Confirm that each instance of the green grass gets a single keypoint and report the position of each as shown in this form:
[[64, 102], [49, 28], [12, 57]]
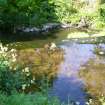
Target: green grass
[[27, 99]]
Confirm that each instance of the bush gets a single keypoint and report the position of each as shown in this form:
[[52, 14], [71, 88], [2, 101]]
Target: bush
[[25, 12], [15, 77], [102, 12], [33, 13], [64, 10], [11, 77]]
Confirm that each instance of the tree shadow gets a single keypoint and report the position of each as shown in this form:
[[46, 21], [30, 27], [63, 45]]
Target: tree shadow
[[23, 37]]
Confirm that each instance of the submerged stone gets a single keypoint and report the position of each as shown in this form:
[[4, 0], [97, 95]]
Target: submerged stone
[[101, 53]]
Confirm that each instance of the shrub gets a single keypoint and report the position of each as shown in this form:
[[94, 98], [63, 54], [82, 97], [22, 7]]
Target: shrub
[[102, 12], [33, 13], [15, 77], [64, 10]]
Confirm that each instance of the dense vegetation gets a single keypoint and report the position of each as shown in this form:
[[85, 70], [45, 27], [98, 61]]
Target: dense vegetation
[[16, 78], [25, 84], [28, 12], [19, 13]]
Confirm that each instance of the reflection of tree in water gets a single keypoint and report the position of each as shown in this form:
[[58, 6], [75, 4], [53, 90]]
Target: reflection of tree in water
[[93, 74], [43, 64]]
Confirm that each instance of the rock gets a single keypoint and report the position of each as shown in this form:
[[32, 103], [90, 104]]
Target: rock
[[82, 23], [65, 40], [92, 40], [27, 29], [76, 39], [33, 29], [45, 28], [50, 26], [53, 46], [66, 25], [101, 53], [83, 41]]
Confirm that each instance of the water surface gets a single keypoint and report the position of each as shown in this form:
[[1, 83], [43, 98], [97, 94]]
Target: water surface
[[68, 84], [79, 76]]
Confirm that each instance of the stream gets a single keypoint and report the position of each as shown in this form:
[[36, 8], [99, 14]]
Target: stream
[[69, 85], [72, 83]]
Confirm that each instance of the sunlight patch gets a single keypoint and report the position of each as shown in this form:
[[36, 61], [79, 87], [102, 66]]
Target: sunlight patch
[[77, 35]]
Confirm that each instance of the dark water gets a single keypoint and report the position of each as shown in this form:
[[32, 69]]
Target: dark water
[[24, 41]]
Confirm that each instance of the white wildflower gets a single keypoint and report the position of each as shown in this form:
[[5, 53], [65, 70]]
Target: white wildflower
[[32, 81], [90, 101], [6, 62], [24, 86], [33, 78], [14, 57], [87, 103], [14, 60], [28, 85], [4, 54], [14, 68], [13, 50], [10, 67], [27, 74], [5, 49], [1, 52], [26, 69], [23, 70]]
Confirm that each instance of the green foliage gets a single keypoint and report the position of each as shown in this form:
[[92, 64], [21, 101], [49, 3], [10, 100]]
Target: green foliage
[[20, 80], [102, 12], [34, 12], [18, 13], [64, 9], [25, 12], [14, 82], [23, 99], [102, 1], [10, 79]]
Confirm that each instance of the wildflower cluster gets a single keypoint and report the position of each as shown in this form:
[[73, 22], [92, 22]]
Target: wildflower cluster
[[12, 75], [7, 57]]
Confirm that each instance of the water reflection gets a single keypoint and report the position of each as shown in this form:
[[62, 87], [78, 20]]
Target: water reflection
[[94, 76], [81, 72], [43, 65], [68, 84]]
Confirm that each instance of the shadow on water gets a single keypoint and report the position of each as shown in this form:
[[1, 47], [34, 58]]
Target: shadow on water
[[24, 41], [29, 40], [21, 37]]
